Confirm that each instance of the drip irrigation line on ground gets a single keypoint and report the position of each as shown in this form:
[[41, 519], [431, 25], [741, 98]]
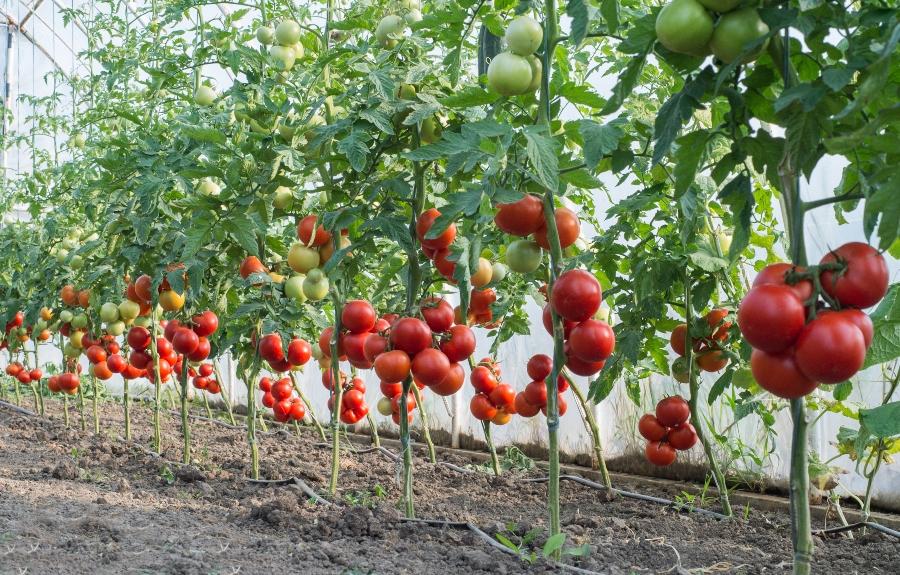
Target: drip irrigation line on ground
[[16, 408], [860, 525], [304, 487]]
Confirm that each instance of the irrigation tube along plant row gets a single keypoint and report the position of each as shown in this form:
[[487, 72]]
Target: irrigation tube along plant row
[[325, 206]]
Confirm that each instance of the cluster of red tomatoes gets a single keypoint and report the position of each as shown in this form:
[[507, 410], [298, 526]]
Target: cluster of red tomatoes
[[494, 401], [353, 397], [708, 348], [23, 374], [203, 378], [271, 349], [667, 431], [533, 398], [526, 217], [279, 397], [18, 332], [589, 341], [177, 342], [799, 342], [438, 251]]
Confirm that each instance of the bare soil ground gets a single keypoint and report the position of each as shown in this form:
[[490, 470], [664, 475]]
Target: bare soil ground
[[73, 502]]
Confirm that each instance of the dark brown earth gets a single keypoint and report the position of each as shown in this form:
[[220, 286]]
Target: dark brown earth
[[74, 502]]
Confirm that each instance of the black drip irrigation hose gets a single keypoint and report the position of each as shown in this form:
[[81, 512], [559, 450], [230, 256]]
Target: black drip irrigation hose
[[861, 525], [17, 409], [304, 487]]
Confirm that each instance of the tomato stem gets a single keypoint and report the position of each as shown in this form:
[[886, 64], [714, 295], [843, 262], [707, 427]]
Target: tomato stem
[[423, 417], [95, 391], [157, 404], [337, 387], [373, 429], [696, 421], [591, 423], [81, 406], [309, 407], [224, 395], [185, 411]]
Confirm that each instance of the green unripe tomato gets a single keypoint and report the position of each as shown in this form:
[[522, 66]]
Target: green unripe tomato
[[412, 17], [524, 35], [524, 256], [76, 263], [70, 351], [293, 288], [80, 321], [109, 312], [724, 241], [410, 5], [680, 371], [430, 132], [283, 57], [684, 26], [384, 406], [302, 259], [66, 316], [265, 35], [721, 6], [116, 328], [287, 33], [79, 141], [128, 310], [315, 286], [287, 132], [61, 256], [509, 74], [406, 92], [204, 96], [537, 71], [207, 187], [498, 272], [736, 30], [40, 325], [142, 321], [388, 29], [284, 199]]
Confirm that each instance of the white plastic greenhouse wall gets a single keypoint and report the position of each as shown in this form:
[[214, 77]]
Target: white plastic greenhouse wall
[[34, 41]]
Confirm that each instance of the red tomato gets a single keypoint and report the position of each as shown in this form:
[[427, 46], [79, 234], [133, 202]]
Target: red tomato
[[481, 300], [483, 379], [358, 316], [460, 345], [438, 313], [282, 409], [576, 295], [715, 319], [164, 346], [561, 406], [580, 367], [298, 410], [299, 351], [424, 223], [592, 340], [547, 318], [521, 218], [282, 389], [206, 369], [395, 415], [503, 397], [201, 382], [678, 340], [138, 338], [651, 429], [539, 367], [567, 225], [771, 317], [375, 345], [392, 366], [661, 454], [862, 321], [535, 393], [391, 390], [863, 283], [353, 399], [430, 366], [95, 354], [265, 385], [452, 383], [354, 345], [23, 376], [36, 374], [410, 402], [524, 408], [683, 437], [140, 359], [672, 411], [444, 266], [779, 374], [270, 346], [305, 229], [202, 351], [410, 335], [116, 363], [205, 324], [712, 360], [170, 328], [482, 408], [774, 274], [831, 349]]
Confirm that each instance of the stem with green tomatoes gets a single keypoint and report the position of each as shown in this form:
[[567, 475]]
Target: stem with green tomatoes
[[714, 469]]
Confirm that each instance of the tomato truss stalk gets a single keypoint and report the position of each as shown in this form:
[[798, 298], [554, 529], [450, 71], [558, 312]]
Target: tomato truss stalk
[[222, 392], [37, 365], [714, 469], [556, 256], [95, 392], [32, 384], [81, 406], [309, 408], [591, 423], [423, 417]]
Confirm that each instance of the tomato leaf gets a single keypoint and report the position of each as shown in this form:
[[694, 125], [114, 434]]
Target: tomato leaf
[[578, 12], [599, 139], [469, 97], [609, 9], [581, 94], [627, 81], [885, 343], [676, 111], [882, 421], [243, 231], [541, 150], [842, 391], [553, 544], [719, 387], [738, 194], [690, 150]]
